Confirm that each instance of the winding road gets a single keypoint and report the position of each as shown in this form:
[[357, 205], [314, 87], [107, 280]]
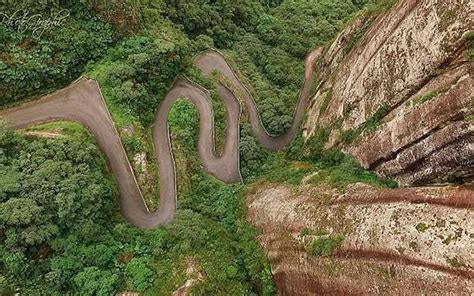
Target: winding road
[[82, 102]]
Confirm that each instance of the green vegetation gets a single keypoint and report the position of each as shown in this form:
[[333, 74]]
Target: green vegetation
[[271, 57], [305, 232], [314, 148], [54, 201], [60, 228], [320, 232], [329, 166], [253, 157], [470, 50], [30, 64], [372, 8], [71, 129], [210, 84], [152, 43], [455, 262], [374, 121], [222, 209], [332, 166], [321, 242], [356, 37], [425, 98], [348, 171], [325, 103], [324, 245], [422, 227], [350, 135], [136, 74]]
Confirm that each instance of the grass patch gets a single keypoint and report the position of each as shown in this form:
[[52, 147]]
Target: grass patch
[[351, 135], [372, 9], [67, 128], [421, 227], [281, 170], [357, 36], [325, 245], [320, 232], [332, 167], [348, 171], [470, 50], [425, 98], [305, 232], [325, 104], [314, 147], [455, 262]]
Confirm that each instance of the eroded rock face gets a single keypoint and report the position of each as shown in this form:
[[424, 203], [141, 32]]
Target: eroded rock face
[[414, 241], [401, 101]]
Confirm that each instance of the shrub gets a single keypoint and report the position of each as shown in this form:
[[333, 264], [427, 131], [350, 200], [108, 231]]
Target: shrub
[[325, 245], [140, 274], [31, 65], [421, 227], [325, 104], [304, 232]]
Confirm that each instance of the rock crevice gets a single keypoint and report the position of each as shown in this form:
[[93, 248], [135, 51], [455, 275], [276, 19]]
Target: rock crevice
[[411, 68]]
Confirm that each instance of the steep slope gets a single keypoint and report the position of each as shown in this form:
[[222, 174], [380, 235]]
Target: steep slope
[[394, 242], [399, 98], [396, 92], [82, 101]]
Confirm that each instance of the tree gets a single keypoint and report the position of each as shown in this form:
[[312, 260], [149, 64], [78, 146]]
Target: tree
[[141, 276], [93, 281]]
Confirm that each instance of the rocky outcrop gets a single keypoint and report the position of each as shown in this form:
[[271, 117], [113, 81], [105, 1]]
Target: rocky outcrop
[[193, 275], [414, 241], [400, 99], [396, 92]]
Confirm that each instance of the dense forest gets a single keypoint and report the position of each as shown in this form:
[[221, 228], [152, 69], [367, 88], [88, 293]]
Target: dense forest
[[60, 228]]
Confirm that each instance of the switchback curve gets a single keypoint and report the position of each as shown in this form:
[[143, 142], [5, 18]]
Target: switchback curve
[[82, 102]]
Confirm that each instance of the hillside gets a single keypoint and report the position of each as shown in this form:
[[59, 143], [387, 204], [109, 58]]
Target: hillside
[[246, 148], [399, 98], [400, 101]]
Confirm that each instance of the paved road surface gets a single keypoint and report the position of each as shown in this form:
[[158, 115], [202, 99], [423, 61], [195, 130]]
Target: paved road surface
[[82, 101]]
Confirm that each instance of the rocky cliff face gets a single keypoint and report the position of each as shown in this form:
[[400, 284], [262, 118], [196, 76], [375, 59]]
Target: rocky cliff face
[[397, 92], [415, 241]]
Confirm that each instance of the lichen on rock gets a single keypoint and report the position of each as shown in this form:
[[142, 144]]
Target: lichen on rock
[[413, 63]]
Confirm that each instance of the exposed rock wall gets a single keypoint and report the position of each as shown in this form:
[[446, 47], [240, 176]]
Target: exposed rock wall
[[415, 241], [401, 100]]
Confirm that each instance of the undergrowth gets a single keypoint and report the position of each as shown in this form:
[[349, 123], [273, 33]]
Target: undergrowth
[[324, 245]]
